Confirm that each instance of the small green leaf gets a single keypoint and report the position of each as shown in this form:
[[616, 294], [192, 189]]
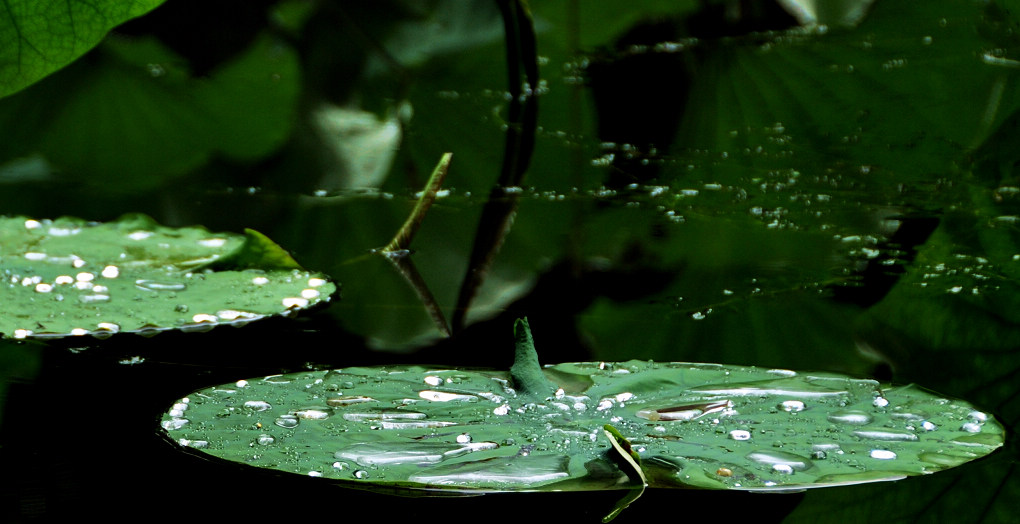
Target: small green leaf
[[68, 277], [38, 37]]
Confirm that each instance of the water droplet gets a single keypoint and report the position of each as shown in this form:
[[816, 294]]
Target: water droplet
[[971, 427], [522, 470], [286, 421], [110, 272], [312, 413], [258, 405], [443, 396], [295, 302], [265, 439], [854, 417], [260, 281], [792, 406], [348, 400], [463, 438], [381, 453], [882, 454], [154, 285], [886, 434], [740, 434], [880, 402], [361, 474], [775, 457]]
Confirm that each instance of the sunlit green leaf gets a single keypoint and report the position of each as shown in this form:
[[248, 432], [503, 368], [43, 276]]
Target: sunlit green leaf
[[68, 277]]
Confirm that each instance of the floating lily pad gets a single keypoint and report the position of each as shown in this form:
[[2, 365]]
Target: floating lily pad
[[690, 425], [68, 277]]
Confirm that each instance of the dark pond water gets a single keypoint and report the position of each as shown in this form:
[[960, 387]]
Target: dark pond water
[[721, 182]]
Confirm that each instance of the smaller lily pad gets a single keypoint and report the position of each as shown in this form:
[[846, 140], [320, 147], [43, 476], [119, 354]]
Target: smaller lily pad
[[70, 277]]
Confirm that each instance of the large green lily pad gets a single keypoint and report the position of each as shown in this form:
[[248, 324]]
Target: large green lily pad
[[68, 277], [692, 426]]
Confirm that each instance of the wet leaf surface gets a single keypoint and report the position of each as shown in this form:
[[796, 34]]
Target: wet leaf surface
[[692, 425], [69, 277]]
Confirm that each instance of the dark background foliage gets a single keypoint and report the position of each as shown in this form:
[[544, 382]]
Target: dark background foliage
[[719, 181]]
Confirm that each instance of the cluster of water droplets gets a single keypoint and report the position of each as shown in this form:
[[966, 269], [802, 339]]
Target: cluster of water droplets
[[697, 424]]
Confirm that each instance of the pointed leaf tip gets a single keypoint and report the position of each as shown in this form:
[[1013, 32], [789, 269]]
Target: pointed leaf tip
[[526, 371]]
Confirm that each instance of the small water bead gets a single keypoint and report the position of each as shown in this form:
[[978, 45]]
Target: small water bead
[[880, 402], [773, 458], [853, 417], [361, 474], [155, 285], [463, 438], [265, 439], [312, 414], [286, 421], [258, 405], [110, 272], [792, 406], [740, 434], [882, 454], [295, 302]]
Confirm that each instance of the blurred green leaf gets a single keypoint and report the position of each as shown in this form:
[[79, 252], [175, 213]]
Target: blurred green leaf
[[38, 37], [162, 122]]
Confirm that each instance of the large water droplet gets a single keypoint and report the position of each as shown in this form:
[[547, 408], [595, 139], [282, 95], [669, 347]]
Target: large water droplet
[[886, 434], [498, 472], [776, 457], [155, 285], [854, 417], [286, 421], [381, 453]]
